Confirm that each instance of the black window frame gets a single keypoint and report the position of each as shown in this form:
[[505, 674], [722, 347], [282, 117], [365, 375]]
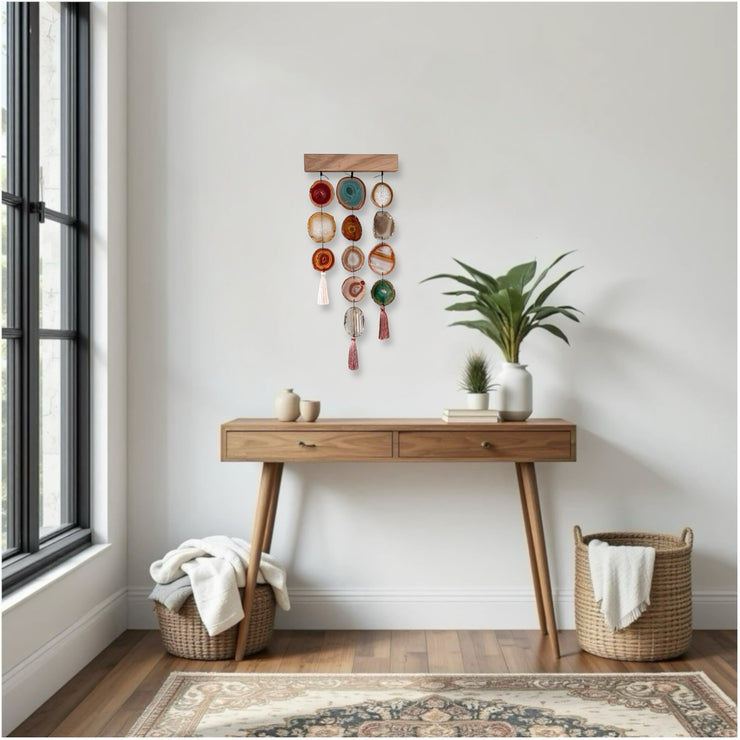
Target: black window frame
[[32, 553]]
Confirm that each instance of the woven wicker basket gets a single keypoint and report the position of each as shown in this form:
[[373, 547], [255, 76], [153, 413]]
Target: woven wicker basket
[[184, 635], [664, 630]]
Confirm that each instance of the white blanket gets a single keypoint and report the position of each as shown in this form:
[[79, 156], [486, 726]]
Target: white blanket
[[621, 576], [217, 568]]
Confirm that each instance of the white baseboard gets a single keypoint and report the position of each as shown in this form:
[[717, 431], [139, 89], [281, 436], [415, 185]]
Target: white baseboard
[[29, 684], [435, 609]]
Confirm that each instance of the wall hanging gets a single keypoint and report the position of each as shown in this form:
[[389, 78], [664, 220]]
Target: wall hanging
[[351, 194]]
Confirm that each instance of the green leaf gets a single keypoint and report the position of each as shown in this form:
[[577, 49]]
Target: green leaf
[[554, 330], [466, 306], [459, 278], [543, 274], [545, 294], [489, 280], [520, 275], [516, 301], [483, 326], [545, 311]]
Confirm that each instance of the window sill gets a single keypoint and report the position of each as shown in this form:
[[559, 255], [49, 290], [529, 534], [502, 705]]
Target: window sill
[[43, 580]]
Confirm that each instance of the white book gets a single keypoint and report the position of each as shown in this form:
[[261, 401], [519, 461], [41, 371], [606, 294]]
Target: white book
[[486, 415]]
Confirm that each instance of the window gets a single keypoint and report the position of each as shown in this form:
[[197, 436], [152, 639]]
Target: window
[[45, 286]]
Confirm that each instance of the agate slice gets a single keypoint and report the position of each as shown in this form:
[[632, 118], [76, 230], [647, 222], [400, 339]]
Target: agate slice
[[383, 225], [354, 321], [381, 259], [323, 259], [351, 193], [352, 228], [353, 289], [353, 259], [321, 227], [321, 193], [382, 195], [383, 292]]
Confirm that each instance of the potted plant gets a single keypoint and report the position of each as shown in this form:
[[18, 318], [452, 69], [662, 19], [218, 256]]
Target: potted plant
[[476, 380], [509, 308]]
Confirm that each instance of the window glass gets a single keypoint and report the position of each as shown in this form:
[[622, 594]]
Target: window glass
[[4, 96], [50, 105], [53, 276], [54, 440], [7, 536], [4, 281]]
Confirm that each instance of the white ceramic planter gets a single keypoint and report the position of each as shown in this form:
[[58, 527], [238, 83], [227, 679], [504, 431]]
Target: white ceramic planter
[[514, 392]]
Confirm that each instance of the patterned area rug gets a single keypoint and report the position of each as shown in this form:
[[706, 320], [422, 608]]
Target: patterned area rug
[[414, 705]]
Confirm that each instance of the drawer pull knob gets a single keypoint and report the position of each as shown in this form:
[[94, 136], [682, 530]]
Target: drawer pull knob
[[485, 443], [301, 443]]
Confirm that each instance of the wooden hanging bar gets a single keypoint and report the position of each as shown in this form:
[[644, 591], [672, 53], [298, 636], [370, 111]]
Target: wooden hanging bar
[[350, 162]]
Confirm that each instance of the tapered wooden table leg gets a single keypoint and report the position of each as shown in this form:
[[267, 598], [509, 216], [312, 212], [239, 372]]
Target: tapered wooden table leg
[[532, 555], [264, 520], [275, 492], [537, 550]]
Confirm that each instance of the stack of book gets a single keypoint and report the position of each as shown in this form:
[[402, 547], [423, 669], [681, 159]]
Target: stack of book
[[487, 415]]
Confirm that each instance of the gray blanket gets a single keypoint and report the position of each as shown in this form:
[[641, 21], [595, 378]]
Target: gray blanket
[[173, 594]]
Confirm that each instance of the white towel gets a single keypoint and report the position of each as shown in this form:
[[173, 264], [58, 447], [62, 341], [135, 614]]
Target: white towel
[[621, 576], [217, 568]]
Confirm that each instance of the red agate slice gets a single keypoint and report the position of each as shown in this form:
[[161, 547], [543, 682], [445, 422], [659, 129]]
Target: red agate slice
[[321, 193], [323, 259], [381, 259], [353, 289]]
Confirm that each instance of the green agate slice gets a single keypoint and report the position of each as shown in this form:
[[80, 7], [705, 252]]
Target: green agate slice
[[383, 292]]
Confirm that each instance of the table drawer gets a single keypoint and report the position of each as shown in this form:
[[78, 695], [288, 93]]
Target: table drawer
[[294, 446], [521, 446]]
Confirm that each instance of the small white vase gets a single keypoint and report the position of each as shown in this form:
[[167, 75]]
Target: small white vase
[[514, 392], [287, 405], [477, 401]]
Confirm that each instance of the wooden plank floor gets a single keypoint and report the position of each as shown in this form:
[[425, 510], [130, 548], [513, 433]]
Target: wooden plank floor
[[108, 695]]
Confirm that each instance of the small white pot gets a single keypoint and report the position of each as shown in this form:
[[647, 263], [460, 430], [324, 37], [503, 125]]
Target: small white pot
[[478, 401]]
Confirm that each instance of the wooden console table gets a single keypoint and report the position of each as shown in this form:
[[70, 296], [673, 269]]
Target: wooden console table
[[274, 443]]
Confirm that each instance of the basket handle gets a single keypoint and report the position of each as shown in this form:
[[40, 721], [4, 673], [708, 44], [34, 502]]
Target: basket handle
[[577, 534], [687, 536]]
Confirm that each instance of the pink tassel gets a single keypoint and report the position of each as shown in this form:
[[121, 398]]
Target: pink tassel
[[353, 361], [323, 299], [383, 333]]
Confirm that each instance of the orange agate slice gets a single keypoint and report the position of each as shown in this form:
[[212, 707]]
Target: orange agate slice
[[323, 259], [352, 228], [381, 259]]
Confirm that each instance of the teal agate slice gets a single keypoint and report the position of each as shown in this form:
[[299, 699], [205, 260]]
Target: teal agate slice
[[351, 193]]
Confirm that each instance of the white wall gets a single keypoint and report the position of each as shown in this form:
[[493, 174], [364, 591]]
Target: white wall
[[523, 130], [56, 625]]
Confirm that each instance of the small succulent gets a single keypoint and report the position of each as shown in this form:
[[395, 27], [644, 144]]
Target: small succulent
[[476, 376]]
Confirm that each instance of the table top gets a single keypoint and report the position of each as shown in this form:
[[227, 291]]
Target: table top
[[393, 424]]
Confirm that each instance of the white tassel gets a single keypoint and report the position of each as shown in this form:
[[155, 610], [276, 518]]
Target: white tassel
[[323, 299]]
